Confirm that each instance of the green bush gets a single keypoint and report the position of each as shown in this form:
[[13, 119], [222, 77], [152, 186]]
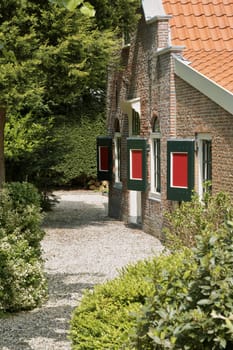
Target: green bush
[[180, 301], [104, 317], [192, 304], [191, 218], [23, 194], [79, 163], [171, 277], [194, 311], [22, 281]]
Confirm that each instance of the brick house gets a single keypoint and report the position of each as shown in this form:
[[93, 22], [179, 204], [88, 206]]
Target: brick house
[[170, 110]]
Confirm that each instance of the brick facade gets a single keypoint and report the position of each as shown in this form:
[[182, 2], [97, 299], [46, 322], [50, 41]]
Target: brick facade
[[146, 72]]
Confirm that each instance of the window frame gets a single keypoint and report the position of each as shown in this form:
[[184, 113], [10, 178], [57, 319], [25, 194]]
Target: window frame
[[155, 186], [136, 123], [117, 159], [204, 165]]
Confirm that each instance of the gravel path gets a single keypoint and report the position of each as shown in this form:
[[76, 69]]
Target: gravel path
[[82, 247]]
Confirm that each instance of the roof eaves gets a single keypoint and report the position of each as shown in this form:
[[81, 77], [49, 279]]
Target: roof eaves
[[154, 19], [208, 87], [169, 49]]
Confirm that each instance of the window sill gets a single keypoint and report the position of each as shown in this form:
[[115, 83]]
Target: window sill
[[155, 196]]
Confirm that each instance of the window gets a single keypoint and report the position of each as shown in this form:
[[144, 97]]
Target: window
[[205, 162], [155, 158], [117, 152], [135, 123]]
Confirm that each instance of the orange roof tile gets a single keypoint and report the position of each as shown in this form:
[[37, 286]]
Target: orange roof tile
[[205, 28]]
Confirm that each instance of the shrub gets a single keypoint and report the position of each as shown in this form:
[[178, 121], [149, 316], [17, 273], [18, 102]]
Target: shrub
[[80, 159], [180, 301], [23, 194], [191, 218], [192, 304], [104, 317], [22, 282], [171, 277]]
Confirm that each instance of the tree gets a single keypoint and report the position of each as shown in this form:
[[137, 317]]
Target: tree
[[53, 61]]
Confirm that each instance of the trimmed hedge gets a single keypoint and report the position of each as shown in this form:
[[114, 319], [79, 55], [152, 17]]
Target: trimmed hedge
[[105, 316], [79, 163], [22, 281]]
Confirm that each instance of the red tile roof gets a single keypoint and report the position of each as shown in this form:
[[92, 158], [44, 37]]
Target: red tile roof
[[205, 28]]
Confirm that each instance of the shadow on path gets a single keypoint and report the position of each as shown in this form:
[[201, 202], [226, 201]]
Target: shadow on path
[[28, 330], [46, 328], [72, 214]]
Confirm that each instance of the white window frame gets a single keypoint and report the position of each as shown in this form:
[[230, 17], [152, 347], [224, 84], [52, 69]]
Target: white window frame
[[127, 107], [117, 159], [153, 192], [200, 139]]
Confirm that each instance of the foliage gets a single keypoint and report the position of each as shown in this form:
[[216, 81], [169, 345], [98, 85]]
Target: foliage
[[104, 317], [23, 194], [53, 69], [72, 5], [181, 300], [191, 218], [22, 282], [170, 281], [192, 304], [51, 60], [80, 160], [117, 14]]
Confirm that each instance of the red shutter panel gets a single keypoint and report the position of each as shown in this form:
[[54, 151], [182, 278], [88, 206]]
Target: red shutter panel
[[104, 158], [180, 169], [137, 164]]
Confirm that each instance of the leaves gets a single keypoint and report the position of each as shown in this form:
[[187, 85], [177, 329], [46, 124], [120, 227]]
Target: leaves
[[85, 7], [22, 281]]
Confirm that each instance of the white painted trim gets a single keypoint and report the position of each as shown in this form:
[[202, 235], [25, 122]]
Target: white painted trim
[[206, 86], [127, 105], [117, 160], [169, 49], [153, 194], [155, 19], [200, 137], [152, 8], [135, 207]]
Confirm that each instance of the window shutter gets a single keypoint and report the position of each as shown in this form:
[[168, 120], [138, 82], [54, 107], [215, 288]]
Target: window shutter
[[104, 158], [180, 169], [137, 164]]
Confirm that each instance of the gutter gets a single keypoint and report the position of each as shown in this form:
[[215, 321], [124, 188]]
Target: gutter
[[206, 86]]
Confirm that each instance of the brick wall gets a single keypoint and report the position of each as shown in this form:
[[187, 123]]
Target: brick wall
[[196, 113], [183, 112]]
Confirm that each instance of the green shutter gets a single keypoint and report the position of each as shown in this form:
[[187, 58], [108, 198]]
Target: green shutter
[[104, 158], [180, 169], [137, 164]]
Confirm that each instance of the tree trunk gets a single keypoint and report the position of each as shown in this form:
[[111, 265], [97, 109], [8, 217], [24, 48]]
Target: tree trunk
[[2, 159]]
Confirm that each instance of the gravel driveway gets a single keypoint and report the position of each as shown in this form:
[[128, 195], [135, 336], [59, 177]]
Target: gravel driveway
[[82, 247]]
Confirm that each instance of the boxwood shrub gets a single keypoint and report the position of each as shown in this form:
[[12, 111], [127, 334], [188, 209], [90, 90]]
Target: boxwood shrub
[[22, 281], [104, 317], [107, 316]]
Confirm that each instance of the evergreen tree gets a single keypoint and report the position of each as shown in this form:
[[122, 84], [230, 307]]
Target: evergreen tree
[[53, 59]]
